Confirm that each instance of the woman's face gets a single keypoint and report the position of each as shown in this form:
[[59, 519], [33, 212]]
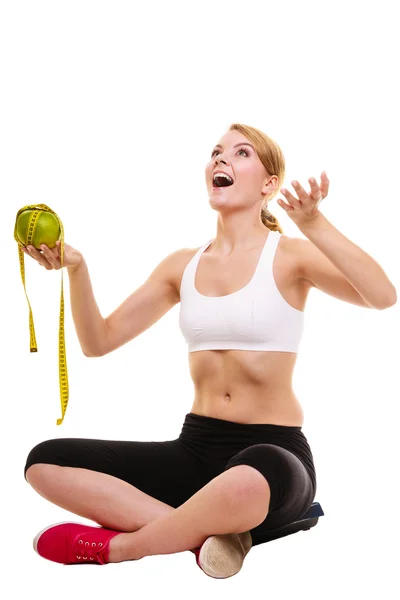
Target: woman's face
[[236, 156]]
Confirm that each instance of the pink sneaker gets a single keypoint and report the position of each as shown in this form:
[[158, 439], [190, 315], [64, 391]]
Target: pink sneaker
[[222, 556], [74, 543]]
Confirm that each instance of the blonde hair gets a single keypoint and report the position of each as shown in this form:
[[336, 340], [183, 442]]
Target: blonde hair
[[273, 160]]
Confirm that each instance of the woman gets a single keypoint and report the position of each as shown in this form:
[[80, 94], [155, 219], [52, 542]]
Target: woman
[[241, 464]]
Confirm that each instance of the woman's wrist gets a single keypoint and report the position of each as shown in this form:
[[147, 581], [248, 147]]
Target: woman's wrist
[[76, 267]]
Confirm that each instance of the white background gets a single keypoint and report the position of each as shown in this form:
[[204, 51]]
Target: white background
[[109, 112]]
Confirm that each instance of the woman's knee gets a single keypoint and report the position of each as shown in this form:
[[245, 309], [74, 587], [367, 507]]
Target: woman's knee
[[40, 473], [41, 455], [290, 483], [247, 486]]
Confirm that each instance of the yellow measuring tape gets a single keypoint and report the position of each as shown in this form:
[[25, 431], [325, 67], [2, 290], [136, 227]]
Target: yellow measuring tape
[[62, 361]]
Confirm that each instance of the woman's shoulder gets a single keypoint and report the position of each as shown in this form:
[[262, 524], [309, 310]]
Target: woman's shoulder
[[178, 263], [293, 252], [289, 244]]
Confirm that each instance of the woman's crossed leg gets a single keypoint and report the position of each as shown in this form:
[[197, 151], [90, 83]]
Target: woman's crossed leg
[[233, 501]]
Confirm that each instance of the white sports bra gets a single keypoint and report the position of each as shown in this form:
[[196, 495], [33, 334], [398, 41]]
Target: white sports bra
[[256, 317]]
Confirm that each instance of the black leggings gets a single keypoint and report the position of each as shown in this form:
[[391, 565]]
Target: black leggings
[[172, 471]]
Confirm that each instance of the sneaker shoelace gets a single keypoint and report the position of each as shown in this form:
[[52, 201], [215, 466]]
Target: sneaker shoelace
[[88, 551]]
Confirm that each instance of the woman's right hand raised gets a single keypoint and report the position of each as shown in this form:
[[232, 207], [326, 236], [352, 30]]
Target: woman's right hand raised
[[50, 258]]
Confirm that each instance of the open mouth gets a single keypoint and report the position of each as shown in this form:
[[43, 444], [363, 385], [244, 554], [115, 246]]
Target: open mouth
[[222, 180]]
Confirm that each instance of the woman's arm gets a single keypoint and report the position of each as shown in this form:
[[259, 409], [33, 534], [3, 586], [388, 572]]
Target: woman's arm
[[90, 325]]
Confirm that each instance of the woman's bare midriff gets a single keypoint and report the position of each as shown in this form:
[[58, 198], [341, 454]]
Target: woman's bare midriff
[[239, 385]]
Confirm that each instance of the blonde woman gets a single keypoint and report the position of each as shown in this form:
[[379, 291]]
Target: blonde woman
[[242, 464]]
